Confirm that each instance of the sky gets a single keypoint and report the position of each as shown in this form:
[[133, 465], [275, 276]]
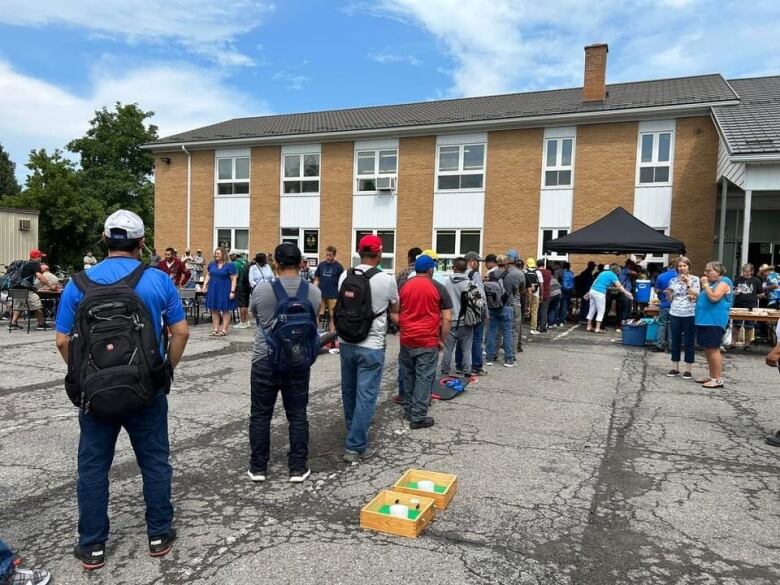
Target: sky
[[196, 62]]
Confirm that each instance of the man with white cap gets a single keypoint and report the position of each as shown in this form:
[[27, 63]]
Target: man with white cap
[[147, 426]]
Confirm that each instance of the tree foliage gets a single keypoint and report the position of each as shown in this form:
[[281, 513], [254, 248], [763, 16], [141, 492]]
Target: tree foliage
[[8, 184]]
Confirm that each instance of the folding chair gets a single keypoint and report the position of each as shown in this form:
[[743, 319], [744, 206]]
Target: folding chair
[[191, 304], [16, 296]]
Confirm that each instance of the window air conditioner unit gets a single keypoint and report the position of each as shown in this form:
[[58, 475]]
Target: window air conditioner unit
[[24, 225], [385, 183]]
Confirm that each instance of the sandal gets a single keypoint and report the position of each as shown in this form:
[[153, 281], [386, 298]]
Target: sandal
[[703, 380], [214, 333], [221, 334], [713, 384]]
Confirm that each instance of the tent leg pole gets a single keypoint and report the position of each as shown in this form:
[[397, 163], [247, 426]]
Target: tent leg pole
[[746, 228], [722, 230]]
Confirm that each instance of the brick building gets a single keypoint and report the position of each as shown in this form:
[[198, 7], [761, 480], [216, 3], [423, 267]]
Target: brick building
[[485, 173]]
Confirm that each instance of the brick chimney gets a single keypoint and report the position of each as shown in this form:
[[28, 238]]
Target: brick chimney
[[594, 88]]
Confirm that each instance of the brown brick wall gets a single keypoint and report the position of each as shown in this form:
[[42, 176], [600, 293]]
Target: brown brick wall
[[202, 231], [594, 85], [170, 201], [264, 199], [416, 160], [514, 167], [604, 177], [336, 172], [694, 194]]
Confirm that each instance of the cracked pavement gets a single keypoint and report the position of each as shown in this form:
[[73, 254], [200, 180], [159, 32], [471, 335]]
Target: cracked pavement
[[583, 465]]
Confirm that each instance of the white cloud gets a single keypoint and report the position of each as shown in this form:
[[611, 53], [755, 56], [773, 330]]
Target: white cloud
[[202, 26], [40, 114], [291, 80], [386, 56]]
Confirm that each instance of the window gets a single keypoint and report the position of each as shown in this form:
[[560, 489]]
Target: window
[[655, 156], [233, 239], [388, 247], [548, 234], [301, 173], [307, 240], [558, 162], [233, 176], [461, 167], [662, 259], [370, 165], [453, 243]]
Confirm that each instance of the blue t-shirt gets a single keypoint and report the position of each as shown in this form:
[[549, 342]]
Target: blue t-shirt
[[155, 289], [625, 279], [661, 284], [329, 273], [604, 280], [717, 313]]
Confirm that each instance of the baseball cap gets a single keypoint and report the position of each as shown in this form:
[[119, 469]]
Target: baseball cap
[[424, 263], [502, 260], [370, 243], [490, 258], [287, 254], [472, 256], [36, 253], [430, 253], [512, 254], [531, 263], [123, 225]]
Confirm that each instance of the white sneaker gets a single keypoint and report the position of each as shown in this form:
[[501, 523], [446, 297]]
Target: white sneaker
[[299, 476], [256, 476], [512, 365], [487, 363], [534, 332]]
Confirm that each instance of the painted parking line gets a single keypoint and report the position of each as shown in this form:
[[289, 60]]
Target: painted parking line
[[565, 333]]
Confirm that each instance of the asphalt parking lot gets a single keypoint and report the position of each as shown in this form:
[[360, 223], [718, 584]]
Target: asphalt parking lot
[[583, 465]]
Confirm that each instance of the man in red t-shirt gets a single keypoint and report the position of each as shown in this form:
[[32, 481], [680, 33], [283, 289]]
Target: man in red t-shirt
[[424, 322], [174, 268]]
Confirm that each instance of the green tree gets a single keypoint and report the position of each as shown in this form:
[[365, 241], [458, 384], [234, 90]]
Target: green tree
[[8, 184]]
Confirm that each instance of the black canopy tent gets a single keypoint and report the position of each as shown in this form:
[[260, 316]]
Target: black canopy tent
[[618, 232]]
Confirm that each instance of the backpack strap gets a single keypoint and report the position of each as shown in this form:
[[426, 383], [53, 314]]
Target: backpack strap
[[81, 281], [303, 291], [281, 294], [134, 277]]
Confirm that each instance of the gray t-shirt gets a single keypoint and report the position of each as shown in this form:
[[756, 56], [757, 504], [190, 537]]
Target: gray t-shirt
[[263, 306], [384, 292]]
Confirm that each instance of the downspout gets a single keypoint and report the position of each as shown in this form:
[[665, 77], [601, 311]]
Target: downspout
[[189, 193]]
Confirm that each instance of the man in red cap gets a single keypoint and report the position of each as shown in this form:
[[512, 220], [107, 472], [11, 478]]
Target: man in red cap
[[30, 271], [366, 297]]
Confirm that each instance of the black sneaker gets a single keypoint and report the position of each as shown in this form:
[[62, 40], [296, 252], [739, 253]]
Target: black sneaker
[[479, 372], [687, 375], [299, 475], [91, 557], [672, 373], [774, 440], [43, 327], [257, 475], [422, 424], [159, 546], [355, 456]]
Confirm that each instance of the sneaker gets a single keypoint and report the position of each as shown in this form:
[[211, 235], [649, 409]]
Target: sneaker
[[488, 362], [159, 546], [479, 372], [15, 326], [28, 577], [355, 456], [299, 475], [672, 373], [520, 349], [422, 424], [256, 475], [773, 440], [687, 375], [43, 327], [534, 332], [510, 365], [91, 557]]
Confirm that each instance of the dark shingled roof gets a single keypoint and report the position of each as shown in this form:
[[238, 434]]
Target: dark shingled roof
[[753, 126], [621, 96]]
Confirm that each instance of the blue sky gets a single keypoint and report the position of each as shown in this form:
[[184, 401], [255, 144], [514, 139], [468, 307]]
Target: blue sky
[[195, 62]]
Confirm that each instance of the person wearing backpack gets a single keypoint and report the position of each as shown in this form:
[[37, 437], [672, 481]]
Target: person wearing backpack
[[567, 290], [366, 298], [478, 339], [467, 309], [111, 331], [500, 313], [285, 347], [23, 275]]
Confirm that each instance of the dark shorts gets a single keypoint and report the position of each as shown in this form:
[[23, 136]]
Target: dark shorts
[[242, 297], [709, 336]]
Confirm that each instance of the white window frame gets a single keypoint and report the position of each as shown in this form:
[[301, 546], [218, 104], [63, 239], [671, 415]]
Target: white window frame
[[300, 238], [232, 238], [386, 254], [654, 162], [460, 170], [556, 233], [232, 180], [376, 174], [663, 258], [300, 178], [558, 158], [445, 260]]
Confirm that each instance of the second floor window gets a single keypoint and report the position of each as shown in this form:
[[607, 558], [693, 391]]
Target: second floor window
[[301, 173], [233, 176], [373, 165], [655, 157], [558, 155], [461, 167]]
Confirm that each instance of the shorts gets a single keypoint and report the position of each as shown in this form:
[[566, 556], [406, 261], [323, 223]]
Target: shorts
[[330, 304], [242, 297], [34, 303], [709, 336]]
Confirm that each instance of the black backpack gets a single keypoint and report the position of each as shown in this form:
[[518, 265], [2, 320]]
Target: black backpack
[[472, 305], [13, 276], [531, 278], [495, 293], [354, 312], [114, 362]]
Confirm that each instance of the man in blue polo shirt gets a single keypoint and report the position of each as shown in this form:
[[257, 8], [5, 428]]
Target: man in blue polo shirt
[[147, 428], [664, 304]]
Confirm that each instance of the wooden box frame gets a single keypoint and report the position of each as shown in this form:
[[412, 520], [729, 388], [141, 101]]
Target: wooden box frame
[[441, 500], [372, 519]]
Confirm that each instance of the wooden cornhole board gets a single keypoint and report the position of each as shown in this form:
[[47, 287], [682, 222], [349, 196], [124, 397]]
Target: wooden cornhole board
[[446, 482], [373, 518]]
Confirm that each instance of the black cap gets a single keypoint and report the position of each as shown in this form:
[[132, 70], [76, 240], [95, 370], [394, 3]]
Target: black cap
[[287, 254]]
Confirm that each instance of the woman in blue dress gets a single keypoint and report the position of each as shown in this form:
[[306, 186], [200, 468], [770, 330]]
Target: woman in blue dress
[[220, 289]]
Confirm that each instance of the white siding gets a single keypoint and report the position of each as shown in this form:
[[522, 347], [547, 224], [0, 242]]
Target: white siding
[[453, 139], [653, 205], [16, 244], [765, 177], [555, 207], [376, 144], [560, 132], [657, 126], [734, 172], [231, 212], [301, 149], [458, 210], [299, 211], [374, 211], [231, 152]]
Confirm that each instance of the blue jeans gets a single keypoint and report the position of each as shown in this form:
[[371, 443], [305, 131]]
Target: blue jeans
[[552, 310], [477, 343], [418, 367], [662, 333], [500, 318], [563, 307], [6, 561], [361, 375], [683, 327], [148, 432], [265, 386]]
